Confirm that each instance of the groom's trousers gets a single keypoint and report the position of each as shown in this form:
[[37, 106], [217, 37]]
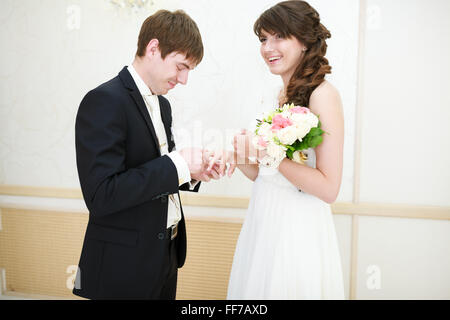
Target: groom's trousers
[[170, 274]]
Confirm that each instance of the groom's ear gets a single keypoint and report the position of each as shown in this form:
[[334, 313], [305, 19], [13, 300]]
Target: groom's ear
[[152, 48]]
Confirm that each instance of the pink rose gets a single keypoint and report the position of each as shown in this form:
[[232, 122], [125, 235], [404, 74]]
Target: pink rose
[[302, 110], [278, 122], [262, 142]]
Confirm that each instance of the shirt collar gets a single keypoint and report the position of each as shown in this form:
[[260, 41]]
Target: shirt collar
[[142, 87]]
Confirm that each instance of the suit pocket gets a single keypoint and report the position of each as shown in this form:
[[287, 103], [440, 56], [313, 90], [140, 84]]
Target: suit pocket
[[112, 235]]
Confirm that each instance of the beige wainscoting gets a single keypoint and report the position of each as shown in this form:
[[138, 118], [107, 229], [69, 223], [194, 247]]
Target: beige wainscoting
[[39, 251], [217, 201], [31, 191], [37, 247]]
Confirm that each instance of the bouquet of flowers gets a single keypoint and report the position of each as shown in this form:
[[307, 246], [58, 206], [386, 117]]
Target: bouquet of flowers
[[285, 132]]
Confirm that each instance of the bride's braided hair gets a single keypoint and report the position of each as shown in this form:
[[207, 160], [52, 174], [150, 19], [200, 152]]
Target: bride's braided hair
[[300, 20]]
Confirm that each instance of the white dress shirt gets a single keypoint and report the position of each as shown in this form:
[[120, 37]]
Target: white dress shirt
[[184, 175]]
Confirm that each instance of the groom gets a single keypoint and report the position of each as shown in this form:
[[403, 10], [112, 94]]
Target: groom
[[130, 173]]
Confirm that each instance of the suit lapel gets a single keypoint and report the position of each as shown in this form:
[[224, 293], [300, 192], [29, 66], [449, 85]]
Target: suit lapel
[[167, 121], [128, 82]]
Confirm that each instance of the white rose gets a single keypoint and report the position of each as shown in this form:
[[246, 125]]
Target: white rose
[[298, 117], [265, 131], [287, 135], [276, 151], [312, 119], [302, 130]]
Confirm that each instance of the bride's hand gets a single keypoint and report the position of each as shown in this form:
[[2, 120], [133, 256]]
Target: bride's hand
[[241, 143], [243, 146]]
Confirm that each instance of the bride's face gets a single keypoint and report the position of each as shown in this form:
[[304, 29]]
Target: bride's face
[[282, 55]]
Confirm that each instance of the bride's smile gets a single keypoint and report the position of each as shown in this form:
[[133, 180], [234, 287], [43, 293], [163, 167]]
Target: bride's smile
[[274, 60]]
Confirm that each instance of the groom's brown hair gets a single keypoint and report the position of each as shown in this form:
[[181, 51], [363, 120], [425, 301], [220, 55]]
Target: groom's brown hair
[[175, 31]]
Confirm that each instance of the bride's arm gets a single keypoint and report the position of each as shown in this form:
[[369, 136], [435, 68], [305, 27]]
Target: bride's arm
[[249, 170], [323, 182]]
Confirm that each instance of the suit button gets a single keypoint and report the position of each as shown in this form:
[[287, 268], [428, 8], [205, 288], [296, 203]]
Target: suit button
[[164, 199], [160, 236]]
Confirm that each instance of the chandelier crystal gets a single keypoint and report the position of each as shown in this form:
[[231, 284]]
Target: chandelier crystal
[[134, 5]]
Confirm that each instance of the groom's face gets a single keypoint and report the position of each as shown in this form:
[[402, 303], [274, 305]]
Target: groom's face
[[168, 72]]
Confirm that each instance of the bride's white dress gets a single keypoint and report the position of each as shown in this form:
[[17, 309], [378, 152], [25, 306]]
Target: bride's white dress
[[287, 248]]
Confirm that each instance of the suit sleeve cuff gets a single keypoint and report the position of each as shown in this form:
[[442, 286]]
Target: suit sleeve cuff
[[192, 184], [184, 175]]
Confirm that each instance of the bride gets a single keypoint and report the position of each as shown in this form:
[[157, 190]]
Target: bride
[[287, 248]]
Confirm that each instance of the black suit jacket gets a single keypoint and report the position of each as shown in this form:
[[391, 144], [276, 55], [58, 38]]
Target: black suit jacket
[[125, 183]]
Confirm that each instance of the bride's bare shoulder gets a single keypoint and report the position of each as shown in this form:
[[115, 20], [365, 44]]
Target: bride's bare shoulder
[[325, 88], [324, 96]]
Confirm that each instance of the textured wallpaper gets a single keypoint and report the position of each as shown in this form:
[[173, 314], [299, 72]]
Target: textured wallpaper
[[54, 52]]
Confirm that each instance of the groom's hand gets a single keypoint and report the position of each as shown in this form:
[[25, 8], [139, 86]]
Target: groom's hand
[[194, 159], [197, 162], [200, 166], [205, 175]]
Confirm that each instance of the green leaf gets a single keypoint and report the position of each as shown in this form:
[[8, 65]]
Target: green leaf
[[315, 141], [296, 144], [290, 153], [303, 145], [315, 131], [290, 148]]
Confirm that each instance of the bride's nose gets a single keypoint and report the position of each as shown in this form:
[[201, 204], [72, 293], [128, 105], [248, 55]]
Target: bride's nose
[[267, 46]]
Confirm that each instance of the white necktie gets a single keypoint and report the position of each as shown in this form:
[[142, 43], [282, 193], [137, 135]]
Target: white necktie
[[155, 114], [157, 122]]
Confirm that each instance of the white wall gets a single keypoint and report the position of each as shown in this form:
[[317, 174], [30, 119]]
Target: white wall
[[403, 258], [404, 155], [406, 103]]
